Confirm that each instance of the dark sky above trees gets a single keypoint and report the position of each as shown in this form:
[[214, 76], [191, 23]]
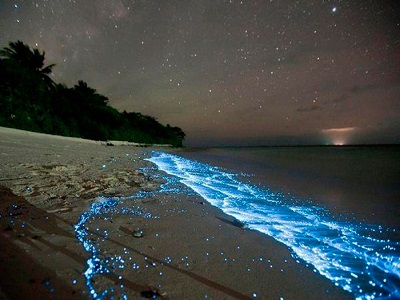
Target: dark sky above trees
[[31, 100], [229, 72]]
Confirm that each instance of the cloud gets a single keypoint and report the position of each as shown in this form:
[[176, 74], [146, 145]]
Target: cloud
[[309, 108], [337, 100], [113, 9], [358, 89], [339, 130]]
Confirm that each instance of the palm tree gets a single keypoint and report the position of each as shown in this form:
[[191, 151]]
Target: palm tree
[[89, 96], [29, 58], [179, 133]]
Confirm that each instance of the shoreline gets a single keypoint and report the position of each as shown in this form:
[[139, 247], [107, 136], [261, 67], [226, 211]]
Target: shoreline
[[189, 249], [31, 134]]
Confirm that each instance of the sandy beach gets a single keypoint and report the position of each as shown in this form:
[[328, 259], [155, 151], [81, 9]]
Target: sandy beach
[[164, 245]]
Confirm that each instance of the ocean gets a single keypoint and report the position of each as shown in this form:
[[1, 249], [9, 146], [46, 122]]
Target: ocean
[[335, 208], [361, 183]]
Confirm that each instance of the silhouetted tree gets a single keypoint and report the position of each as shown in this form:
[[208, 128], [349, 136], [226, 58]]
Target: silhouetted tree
[[29, 58], [179, 133], [89, 95], [30, 100]]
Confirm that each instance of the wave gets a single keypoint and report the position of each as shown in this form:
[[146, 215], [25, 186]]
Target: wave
[[358, 258]]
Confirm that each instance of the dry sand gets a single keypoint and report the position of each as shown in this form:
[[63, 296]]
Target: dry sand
[[189, 249]]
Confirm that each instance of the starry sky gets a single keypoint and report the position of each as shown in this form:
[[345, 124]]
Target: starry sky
[[229, 72]]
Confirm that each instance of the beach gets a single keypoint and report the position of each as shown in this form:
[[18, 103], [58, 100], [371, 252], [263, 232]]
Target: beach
[[138, 242]]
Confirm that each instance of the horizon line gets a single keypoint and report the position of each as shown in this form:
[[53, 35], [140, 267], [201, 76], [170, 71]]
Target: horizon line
[[300, 145]]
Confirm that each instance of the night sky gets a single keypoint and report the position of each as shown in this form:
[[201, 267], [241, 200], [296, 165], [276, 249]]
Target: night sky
[[229, 72]]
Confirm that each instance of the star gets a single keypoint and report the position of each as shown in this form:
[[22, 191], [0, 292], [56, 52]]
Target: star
[[221, 52]]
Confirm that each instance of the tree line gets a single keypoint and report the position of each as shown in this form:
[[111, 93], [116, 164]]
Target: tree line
[[31, 100]]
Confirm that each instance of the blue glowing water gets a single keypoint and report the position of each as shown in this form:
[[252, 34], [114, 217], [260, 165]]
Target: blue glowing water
[[358, 258]]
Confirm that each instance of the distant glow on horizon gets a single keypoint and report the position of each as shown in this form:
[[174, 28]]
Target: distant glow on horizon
[[339, 130], [339, 142], [339, 136], [355, 257], [222, 71]]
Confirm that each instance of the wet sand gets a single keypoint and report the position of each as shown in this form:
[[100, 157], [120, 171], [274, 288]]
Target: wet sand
[[189, 249]]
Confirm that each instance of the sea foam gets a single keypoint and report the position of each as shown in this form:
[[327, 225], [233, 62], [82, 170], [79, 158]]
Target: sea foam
[[356, 257]]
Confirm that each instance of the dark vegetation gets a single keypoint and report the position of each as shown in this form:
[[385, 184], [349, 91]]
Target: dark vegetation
[[31, 100]]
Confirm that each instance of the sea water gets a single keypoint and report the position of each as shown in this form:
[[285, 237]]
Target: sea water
[[361, 256], [358, 183]]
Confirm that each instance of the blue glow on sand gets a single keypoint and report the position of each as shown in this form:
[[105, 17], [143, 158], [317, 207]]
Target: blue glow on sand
[[98, 263], [357, 258]]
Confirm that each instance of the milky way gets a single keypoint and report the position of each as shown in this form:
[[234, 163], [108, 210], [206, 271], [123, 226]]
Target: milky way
[[229, 72]]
